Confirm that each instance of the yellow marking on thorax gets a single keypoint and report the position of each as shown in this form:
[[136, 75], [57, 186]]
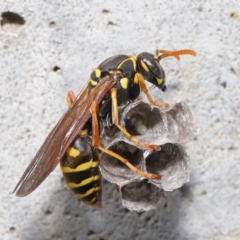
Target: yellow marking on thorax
[[81, 167], [73, 152], [114, 72], [144, 66], [131, 58], [92, 82], [90, 191], [159, 81], [124, 83], [97, 72], [136, 79], [84, 182], [83, 132]]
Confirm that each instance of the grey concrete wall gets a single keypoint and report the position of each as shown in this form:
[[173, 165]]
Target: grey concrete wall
[[84, 34]]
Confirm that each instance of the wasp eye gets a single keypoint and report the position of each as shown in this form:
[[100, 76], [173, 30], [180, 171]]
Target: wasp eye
[[164, 88]]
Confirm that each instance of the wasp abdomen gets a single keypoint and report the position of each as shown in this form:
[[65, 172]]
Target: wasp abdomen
[[80, 167]]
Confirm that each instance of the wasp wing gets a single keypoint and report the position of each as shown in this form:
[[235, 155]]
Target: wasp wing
[[62, 135]]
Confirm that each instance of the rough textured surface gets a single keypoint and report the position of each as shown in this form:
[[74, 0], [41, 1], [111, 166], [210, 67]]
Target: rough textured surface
[[76, 36]]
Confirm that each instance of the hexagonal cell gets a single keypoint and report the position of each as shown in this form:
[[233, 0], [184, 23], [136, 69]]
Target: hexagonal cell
[[141, 196], [172, 162], [134, 117], [141, 114], [117, 172], [151, 124]]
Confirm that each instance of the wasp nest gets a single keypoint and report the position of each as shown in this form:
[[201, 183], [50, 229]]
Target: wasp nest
[[170, 129]]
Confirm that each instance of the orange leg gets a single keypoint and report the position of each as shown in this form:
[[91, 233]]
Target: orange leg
[[96, 140], [126, 162], [138, 78], [124, 131], [95, 126], [70, 98]]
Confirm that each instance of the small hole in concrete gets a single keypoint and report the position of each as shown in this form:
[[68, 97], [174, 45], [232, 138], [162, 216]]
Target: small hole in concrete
[[52, 24], [12, 18], [224, 84], [234, 15], [105, 11], [56, 68], [110, 23], [48, 212], [12, 229], [91, 232]]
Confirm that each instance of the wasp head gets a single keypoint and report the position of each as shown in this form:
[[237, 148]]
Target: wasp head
[[151, 70]]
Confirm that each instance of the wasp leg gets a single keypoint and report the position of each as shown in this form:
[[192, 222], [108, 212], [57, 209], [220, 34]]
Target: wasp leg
[[96, 143], [95, 126], [126, 162], [124, 131], [176, 54], [139, 79], [70, 98]]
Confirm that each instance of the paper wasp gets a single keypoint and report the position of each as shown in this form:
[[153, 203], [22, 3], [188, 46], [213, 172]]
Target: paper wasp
[[75, 140]]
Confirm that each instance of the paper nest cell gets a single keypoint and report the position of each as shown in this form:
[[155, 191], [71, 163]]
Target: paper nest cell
[[170, 129]]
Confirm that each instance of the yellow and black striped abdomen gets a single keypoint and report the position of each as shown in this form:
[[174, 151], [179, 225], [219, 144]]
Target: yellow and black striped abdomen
[[80, 167]]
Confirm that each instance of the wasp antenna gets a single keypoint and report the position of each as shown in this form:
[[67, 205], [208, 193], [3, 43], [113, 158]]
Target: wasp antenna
[[176, 54]]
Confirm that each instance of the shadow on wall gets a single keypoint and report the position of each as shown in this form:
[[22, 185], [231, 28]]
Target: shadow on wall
[[62, 216]]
